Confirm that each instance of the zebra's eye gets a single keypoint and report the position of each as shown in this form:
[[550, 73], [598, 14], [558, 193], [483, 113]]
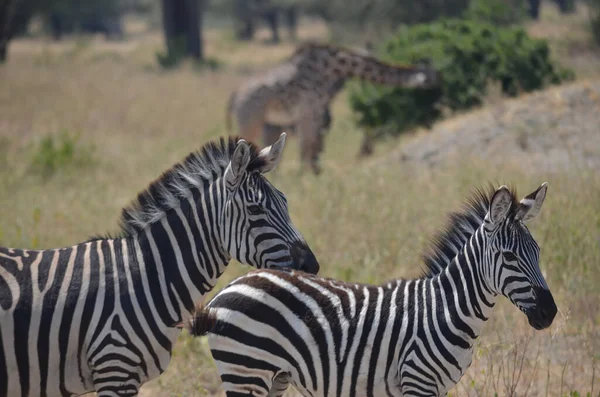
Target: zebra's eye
[[510, 256], [254, 209]]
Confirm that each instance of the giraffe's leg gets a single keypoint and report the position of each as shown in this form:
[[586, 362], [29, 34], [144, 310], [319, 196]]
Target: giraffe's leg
[[366, 147], [251, 130], [325, 127], [250, 118], [271, 133], [326, 120], [311, 139]]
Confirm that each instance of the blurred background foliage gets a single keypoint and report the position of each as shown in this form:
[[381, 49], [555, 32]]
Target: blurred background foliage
[[473, 42], [480, 49]]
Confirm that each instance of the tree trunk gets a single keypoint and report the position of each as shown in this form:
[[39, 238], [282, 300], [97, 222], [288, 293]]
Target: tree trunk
[[194, 42], [181, 25], [3, 51], [243, 11], [5, 10], [270, 15], [291, 19], [566, 6], [534, 9]]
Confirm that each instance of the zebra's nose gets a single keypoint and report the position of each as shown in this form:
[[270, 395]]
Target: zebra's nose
[[545, 308], [303, 258], [545, 301]]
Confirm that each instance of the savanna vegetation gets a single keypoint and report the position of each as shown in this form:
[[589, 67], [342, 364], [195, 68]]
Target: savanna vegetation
[[85, 124]]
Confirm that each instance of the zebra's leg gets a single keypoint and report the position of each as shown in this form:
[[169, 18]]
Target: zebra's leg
[[244, 375], [239, 380], [416, 381], [258, 387], [280, 384], [114, 381]]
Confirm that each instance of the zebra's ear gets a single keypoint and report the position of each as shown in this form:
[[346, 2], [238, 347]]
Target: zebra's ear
[[531, 204], [500, 204], [239, 162], [272, 154]]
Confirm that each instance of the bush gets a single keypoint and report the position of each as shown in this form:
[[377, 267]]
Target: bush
[[172, 57], [58, 152], [352, 22], [469, 54], [83, 16], [497, 12]]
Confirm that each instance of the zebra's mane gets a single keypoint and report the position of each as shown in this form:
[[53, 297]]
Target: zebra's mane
[[459, 228], [196, 170]]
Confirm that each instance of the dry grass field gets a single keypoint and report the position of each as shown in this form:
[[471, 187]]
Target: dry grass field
[[86, 124]]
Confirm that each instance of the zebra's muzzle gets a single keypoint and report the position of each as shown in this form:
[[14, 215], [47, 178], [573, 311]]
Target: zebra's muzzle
[[542, 315], [303, 258]]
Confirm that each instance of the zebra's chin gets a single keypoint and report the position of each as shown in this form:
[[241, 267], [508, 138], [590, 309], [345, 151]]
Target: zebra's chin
[[542, 314], [287, 265], [538, 324]]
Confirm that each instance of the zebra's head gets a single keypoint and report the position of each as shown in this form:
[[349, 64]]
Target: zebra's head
[[255, 224], [513, 255]]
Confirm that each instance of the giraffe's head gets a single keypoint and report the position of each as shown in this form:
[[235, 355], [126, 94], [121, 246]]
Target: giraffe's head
[[409, 76], [344, 63], [512, 255], [421, 76]]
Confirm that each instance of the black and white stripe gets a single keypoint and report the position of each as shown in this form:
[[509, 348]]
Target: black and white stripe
[[415, 337], [99, 316]]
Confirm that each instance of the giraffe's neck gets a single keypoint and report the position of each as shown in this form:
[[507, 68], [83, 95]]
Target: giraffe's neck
[[348, 65]]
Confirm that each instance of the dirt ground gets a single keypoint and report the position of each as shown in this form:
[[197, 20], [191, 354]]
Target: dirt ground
[[549, 131]]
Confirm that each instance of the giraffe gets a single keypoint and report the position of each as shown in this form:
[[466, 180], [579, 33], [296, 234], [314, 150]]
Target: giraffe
[[297, 93]]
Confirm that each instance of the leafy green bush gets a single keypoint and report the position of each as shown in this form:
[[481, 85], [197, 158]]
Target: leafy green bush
[[58, 152], [498, 12], [469, 54], [172, 57]]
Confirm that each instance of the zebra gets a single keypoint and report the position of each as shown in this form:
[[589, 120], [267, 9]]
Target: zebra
[[100, 316], [269, 329]]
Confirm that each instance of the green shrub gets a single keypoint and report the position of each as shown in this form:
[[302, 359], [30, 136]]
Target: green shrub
[[4, 144], [58, 152], [172, 57], [469, 54], [208, 64], [497, 12]]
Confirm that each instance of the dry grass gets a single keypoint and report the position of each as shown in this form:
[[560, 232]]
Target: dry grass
[[365, 222]]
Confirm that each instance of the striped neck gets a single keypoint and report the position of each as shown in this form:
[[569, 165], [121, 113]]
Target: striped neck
[[467, 297], [183, 252]]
